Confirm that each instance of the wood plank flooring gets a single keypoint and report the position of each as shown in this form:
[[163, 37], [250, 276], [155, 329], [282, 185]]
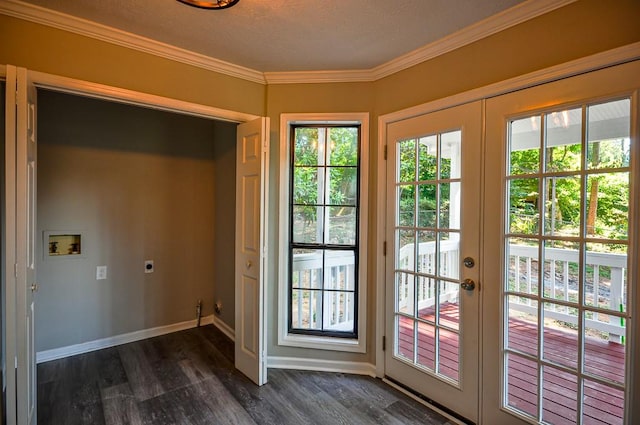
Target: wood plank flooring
[[188, 378]]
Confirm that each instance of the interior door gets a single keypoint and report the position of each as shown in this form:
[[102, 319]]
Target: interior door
[[20, 239], [432, 291], [26, 285], [560, 228], [250, 253]]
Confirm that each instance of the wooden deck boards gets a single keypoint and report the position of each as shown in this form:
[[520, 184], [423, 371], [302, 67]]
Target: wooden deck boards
[[602, 404]]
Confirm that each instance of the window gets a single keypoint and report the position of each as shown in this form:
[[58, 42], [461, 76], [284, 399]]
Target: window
[[323, 231]]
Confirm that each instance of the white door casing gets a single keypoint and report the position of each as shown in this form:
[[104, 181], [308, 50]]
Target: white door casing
[[250, 253], [460, 394], [9, 268]]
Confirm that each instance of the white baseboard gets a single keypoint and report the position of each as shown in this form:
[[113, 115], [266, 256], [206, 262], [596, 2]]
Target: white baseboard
[[98, 344], [224, 328], [356, 368]]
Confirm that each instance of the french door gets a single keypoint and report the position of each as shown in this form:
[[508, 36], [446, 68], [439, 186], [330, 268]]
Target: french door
[[433, 222], [560, 231]]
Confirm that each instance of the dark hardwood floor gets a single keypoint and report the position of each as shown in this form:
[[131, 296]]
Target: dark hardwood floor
[[188, 378]]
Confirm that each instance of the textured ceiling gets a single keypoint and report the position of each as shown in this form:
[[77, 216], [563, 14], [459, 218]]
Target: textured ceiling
[[290, 35]]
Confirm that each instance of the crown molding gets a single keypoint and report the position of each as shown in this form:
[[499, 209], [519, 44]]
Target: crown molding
[[506, 19], [51, 18], [513, 16], [296, 77]]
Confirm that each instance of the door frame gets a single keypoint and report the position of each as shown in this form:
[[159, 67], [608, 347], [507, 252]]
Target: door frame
[[584, 65], [83, 88]]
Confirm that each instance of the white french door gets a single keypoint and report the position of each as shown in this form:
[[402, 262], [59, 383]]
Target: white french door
[[432, 288], [250, 256], [561, 235]]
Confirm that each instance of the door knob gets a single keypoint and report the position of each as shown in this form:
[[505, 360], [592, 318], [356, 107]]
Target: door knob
[[468, 285], [249, 264]]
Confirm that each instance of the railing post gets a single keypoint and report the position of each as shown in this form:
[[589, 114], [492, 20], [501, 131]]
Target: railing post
[[616, 297]]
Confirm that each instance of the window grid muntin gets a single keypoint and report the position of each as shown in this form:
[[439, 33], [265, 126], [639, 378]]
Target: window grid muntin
[[437, 277], [583, 240], [355, 248]]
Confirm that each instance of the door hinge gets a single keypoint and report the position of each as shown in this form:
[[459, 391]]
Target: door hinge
[[15, 270], [384, 248], [385, 152], [384, 343]]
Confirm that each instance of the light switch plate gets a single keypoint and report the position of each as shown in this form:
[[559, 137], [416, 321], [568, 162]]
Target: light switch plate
[[101, 272]]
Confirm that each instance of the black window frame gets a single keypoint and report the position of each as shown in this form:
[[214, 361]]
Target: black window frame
[[322, 246]]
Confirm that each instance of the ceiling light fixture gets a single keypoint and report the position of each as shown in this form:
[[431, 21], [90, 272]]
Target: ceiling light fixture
[[211, 4]]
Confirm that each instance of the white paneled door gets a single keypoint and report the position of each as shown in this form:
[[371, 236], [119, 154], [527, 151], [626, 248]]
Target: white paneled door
[[21, 285], [432, 288], [251, 210]]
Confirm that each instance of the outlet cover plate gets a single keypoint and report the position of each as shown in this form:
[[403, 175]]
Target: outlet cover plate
[[101, 272], [148, 266]]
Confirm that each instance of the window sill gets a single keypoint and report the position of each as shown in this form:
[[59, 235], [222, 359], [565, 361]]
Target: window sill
[[322, 343]]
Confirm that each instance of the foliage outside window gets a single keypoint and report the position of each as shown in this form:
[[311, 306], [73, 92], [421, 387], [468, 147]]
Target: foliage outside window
[[323, 233]]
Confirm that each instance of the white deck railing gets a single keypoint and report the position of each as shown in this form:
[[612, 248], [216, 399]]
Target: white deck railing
[[338, 306], [561, 283], [561, 278]]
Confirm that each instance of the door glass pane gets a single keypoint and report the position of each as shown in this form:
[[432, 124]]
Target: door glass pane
[[563, 140], [560, 335], [522, 333], [427, 205], [561, 267], [449, 206], [608, 134], [427, 346], [562, 206], [521, 384], [523, 206], [450, 155], [428, 165], [524, 146], [608, 205], [427, 257], [522, 263], [559, 396], [578, 321]]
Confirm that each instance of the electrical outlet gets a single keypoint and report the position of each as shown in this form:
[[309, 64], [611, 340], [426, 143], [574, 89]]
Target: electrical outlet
[[148, 266], [101, 272], [218, 307]]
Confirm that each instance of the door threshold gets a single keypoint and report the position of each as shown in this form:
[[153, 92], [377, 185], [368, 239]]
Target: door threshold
[[454, 417]]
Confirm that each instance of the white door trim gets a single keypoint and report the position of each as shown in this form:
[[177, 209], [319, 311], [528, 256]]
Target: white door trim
[[131, 97], [612, 57], [9, 313]]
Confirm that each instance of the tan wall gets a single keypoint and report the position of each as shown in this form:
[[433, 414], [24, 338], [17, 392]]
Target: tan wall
[[580, 29], [41, 48]]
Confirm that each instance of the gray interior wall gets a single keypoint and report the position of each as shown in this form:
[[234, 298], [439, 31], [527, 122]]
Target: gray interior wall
[[225, 223], [139, 185]]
